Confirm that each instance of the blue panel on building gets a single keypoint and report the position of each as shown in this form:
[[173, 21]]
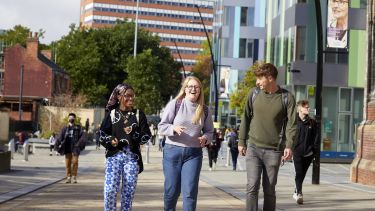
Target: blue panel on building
[[332, 154]]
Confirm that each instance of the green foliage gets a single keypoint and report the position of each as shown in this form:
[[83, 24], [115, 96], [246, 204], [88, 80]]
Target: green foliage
[[18, 34], [46, 134], [148, 95], [97, 60], [239, 97]]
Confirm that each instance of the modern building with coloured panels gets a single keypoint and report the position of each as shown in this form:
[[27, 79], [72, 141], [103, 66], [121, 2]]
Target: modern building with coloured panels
[[239, 40], [292, 46], [176, 22]]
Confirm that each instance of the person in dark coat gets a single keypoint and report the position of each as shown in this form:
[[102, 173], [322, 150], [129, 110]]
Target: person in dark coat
[[70, 143], [233, 146], [305, 147]]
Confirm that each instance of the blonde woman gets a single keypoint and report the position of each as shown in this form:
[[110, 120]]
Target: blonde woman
[[188, 126]]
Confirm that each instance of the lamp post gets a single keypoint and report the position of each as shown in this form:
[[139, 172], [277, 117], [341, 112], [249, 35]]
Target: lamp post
[[213, 63], [136, 30], [318, 91], [179, 55]]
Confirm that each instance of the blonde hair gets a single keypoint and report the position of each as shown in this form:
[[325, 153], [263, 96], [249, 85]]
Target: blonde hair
[[198, 113]]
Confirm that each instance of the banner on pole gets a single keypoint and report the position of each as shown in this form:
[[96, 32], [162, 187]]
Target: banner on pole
[[337, 23]]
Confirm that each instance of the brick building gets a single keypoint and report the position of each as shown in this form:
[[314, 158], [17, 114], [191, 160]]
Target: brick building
[[42, 78], [363, 166]]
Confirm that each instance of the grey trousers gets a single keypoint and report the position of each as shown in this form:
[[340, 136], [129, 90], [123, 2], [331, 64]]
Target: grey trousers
[[265, 164]]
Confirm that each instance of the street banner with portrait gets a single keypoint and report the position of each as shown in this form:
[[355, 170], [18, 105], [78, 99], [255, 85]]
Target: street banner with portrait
[[337, 23], [228, 81]]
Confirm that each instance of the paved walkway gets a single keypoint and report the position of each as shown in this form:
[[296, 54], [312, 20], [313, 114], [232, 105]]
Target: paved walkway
[[38, 185]]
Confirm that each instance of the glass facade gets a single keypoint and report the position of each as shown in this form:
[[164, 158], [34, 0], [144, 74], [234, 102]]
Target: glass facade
[[342, 105]]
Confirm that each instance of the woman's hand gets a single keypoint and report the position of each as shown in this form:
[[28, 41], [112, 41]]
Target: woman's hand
[[179, 129], [114, 142], [202, 141]]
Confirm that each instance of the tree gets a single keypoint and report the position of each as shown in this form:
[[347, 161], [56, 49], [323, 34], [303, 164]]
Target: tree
[[239, 97], [18, 35], [97, 60], [148, 96]]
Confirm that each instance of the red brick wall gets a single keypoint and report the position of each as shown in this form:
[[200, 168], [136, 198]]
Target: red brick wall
[[37, 78], [371, 111], [363, 166]]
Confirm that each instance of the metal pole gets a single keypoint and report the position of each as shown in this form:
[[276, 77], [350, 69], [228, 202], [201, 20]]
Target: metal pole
[[178, 52], [148, 153], [318, 92], [21, 92], [213, 64], [136, 30]]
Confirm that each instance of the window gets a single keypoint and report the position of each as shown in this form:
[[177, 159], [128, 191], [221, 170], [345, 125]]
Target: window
[[243, 16], [247, 16], [300, 43], [246, 48]]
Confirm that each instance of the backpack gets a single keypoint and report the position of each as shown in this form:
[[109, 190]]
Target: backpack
[[284, 99]]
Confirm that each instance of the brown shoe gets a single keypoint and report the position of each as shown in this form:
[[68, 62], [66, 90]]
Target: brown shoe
[[68, 180]]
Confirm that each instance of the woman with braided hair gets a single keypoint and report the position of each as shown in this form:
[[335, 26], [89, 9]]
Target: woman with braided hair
[[122, 132]]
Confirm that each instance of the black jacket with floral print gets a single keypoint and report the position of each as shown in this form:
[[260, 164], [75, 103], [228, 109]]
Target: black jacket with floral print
[[113, 126]]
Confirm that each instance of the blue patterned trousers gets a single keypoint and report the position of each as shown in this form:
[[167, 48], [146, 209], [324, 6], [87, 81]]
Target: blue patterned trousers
[[120, 166]]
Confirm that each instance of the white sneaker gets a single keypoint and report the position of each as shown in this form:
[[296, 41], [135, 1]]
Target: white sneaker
[[74, 179], [68, 180], [298, 198], [210, 169]]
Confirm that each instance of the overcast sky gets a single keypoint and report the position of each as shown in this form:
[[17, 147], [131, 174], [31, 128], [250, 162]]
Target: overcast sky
[[53, 16]]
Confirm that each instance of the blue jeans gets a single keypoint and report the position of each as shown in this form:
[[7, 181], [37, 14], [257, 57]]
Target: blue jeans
[[181, 167], [258, 161]]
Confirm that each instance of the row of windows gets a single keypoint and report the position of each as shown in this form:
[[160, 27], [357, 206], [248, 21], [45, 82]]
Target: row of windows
[[188, 63], [146, 13], [101, 21], [171, 39], [169, 27], [184, 51], [179, 4]]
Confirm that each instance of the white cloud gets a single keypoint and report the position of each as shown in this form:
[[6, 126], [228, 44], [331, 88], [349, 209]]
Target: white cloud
[[53, 16]]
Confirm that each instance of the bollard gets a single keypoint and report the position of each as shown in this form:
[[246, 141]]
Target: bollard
[[12, 148], [148, 152], [26, 151], [228, 157]]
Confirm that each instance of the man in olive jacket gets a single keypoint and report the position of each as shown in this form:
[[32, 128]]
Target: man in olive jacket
[[70, 143], [264, 119]]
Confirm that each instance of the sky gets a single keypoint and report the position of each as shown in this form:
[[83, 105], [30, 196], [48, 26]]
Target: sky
[[53, 16]]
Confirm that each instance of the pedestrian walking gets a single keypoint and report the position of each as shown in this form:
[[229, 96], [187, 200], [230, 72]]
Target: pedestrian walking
[[97, 137], [212, 151], [122, 131], [269, 124], [233, 146], [188, 125], [306, 145], [87, 125], [70, 143], [52, 141], [219, 139], [153, 133]]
